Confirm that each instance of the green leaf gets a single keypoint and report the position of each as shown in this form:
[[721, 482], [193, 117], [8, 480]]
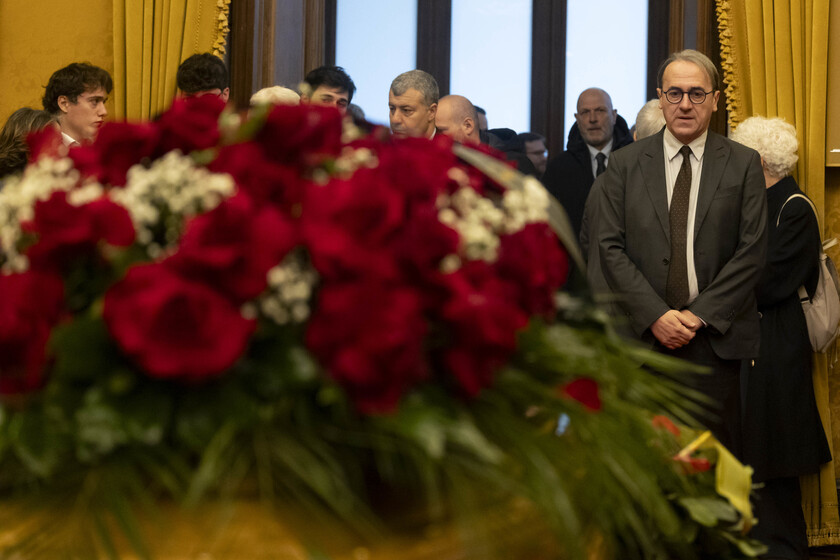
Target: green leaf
[[83, 349], [749, 547], [36, 442], [702, 510]]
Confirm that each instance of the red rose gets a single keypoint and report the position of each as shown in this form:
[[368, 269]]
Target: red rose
[[301, 134], [585, 391], [262, 179], [665, 423], [533, 260], [420, 168], [233, 247], [30, 305], [691, 464], [172, 327], [482, 323], [65, 231], [45, 142], [424, 241], [190, 124], [349, 226], [117, 147], [370, 338]]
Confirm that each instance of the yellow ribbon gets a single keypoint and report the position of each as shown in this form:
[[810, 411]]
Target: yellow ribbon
[[733, 480]]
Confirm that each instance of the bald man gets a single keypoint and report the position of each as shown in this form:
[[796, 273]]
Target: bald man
[[597, 132], [457, 118]]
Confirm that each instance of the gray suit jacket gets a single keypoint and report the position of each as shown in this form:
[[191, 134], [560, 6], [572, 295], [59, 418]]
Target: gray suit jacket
[[729, 239]]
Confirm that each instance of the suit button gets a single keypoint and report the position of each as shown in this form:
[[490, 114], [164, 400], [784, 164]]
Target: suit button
[[666, 262]]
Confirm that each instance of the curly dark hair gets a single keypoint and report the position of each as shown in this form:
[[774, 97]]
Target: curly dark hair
[[331, 76], [72, 81], [202, 72]]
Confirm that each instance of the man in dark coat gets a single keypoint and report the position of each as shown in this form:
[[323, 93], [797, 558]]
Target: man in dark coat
[[682, 238], [597, 132]]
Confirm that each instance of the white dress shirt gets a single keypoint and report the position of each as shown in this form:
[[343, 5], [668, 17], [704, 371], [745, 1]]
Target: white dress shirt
[[606, 150], [673, 162]]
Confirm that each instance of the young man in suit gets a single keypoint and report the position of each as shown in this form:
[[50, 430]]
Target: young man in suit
[[682, 237]]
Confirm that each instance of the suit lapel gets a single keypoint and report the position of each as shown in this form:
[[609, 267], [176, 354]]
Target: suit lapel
[[715, 157], [653, 170]]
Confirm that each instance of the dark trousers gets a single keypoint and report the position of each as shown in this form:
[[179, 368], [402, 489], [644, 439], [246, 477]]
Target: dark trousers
[[722, 386], [781, 523]]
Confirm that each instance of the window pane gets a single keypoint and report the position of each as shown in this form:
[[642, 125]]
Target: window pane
[[376, 40], [606, 47], [491, 59]]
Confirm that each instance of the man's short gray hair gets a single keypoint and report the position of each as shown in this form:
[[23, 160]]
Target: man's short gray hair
[[423, 82], [650, 119], [774, 139], [695, 57]]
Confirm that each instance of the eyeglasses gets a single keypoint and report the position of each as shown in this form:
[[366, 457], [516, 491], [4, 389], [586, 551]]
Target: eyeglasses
[[695, 95]]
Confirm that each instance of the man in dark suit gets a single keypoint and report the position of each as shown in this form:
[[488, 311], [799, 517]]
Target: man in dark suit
[[597, 132], [682, 238]]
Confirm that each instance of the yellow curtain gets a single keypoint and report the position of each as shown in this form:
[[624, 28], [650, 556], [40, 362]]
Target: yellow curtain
[[775, 60], [151, 38]]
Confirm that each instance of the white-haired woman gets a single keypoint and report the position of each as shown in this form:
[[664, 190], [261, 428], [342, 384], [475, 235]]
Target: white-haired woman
[[783, 435]]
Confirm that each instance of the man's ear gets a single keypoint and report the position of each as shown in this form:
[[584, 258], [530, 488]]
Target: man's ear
[[715, 100], [63, 103], [225, 95], [432, 111], [469, 125]]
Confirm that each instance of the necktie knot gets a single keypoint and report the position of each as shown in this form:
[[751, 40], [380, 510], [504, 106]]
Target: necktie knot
[[601, 158], [685, 151]]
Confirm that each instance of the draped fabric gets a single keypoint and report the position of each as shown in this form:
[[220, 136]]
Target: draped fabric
[[775, 60], [151, 38]]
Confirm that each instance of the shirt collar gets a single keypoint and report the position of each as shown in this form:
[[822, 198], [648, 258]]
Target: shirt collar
[[605, 150], [672, 145], [68, 140]]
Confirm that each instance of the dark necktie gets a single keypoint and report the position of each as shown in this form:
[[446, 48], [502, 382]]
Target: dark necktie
[[676, 290], [601, 158]]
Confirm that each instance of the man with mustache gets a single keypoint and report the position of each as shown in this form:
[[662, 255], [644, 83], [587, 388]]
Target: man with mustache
[[75, 96]]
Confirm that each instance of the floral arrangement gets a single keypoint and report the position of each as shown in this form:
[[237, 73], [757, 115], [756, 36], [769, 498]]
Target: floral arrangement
[[210, 305]]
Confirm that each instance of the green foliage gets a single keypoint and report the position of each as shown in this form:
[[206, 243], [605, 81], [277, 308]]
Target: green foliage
[[278, 424]]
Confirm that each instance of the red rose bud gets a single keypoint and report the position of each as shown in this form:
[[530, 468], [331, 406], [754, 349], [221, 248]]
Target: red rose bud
[[665, 423], [301, 134], [190, 124], [173, 327], [30, 305], [65, 231], [264, 180], [534, 261], [585, 391], [117, 147], [232, 247], [692, 465], [370, 337]]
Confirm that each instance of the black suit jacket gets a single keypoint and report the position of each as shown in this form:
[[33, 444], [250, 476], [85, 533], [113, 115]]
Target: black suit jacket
[[729, 239], [568, 177]]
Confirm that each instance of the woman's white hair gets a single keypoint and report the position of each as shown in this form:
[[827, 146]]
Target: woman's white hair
[[277, 95], [774, 139]]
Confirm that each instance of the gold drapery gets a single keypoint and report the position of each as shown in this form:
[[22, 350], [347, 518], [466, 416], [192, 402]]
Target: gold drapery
[[775, 63], [151, 38]]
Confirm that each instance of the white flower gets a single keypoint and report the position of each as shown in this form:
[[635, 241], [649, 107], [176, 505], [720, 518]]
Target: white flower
[[290, 286], [480, 222], [164, 194]]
